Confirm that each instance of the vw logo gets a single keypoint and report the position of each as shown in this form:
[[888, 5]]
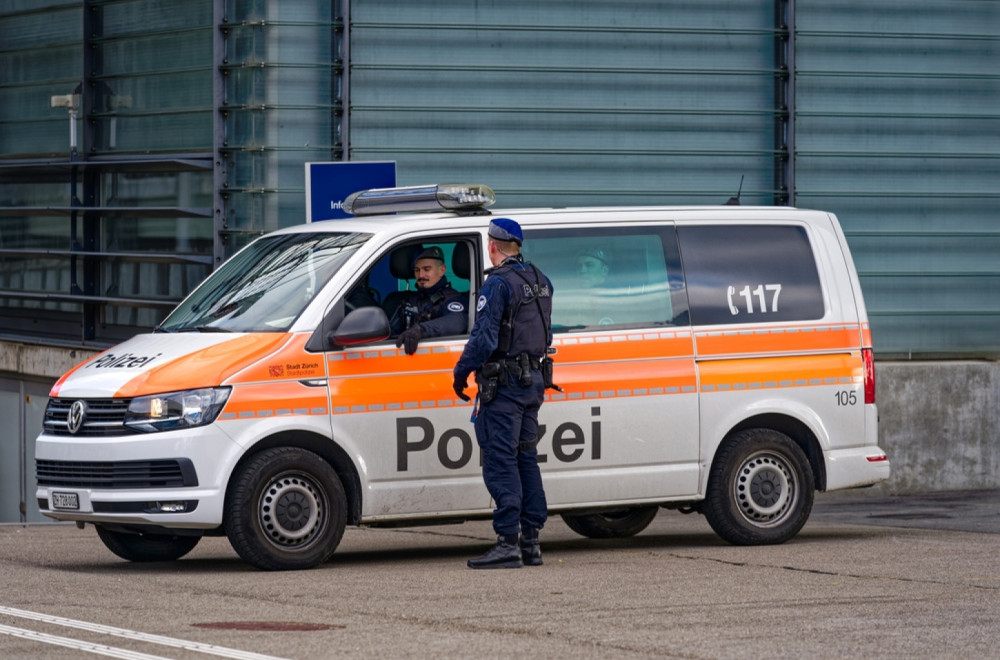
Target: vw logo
[[77, 416]]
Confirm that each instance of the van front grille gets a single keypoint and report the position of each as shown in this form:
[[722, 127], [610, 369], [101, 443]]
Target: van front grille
[[165, 473], [104, 417]]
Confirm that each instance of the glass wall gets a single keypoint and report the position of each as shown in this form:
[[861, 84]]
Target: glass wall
[[280, 82], [106, 138]]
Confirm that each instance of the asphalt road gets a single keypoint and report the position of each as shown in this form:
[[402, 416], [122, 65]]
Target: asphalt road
[[887, 577]]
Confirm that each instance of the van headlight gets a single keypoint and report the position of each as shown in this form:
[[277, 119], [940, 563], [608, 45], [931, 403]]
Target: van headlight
[[176, 410]]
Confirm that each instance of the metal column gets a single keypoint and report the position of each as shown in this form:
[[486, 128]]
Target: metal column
[[220, 164], [784, 92], [342, 91]]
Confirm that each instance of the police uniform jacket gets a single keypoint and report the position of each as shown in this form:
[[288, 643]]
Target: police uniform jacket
[[438, 310], [503, 289]]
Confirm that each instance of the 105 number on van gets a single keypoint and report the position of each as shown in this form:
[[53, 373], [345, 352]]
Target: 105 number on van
[[846, 398]]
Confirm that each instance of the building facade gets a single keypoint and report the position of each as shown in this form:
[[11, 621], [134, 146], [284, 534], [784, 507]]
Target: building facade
[[142, 142]]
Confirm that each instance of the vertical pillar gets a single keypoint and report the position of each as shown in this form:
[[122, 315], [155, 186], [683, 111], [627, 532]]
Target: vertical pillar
[[220, 164], [93, 29], [342, 82], [784, 103]]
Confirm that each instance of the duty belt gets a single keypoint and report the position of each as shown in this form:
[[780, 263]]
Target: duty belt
[[514, 366]]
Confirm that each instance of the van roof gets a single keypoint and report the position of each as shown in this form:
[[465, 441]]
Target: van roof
[[406, 222]]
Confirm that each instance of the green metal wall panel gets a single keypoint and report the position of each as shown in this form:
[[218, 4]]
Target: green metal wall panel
[[898, 132], [99, 237], [569, 103], [896, 126]]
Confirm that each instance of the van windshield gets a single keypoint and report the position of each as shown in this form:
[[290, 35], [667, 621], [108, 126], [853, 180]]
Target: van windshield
[[264, 287]]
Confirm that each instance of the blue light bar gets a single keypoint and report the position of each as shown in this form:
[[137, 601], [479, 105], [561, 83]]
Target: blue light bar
[[467, 197]]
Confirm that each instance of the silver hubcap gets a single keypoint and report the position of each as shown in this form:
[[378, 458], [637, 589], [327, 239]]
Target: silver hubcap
[[765, 489], [292, 511]]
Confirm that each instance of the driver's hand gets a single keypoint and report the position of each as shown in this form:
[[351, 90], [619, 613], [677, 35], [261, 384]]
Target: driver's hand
[[408, 339]]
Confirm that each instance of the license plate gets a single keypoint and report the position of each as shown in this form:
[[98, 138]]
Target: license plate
[[65, 501]]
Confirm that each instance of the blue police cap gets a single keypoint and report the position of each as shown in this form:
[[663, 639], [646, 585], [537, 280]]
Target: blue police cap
[[505, 229]]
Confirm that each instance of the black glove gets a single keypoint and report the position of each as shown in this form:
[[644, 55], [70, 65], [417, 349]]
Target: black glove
[[460, 384], [408, 339]]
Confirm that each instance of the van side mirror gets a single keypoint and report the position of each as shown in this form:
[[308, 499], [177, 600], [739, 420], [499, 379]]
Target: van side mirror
[[362, 326]]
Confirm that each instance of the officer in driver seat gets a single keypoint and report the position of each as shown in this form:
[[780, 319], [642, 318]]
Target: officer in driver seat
[[435, 309]]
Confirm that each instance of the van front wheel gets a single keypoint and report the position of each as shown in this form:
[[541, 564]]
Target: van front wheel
[[611, 524], [285, 510], [760, 489]]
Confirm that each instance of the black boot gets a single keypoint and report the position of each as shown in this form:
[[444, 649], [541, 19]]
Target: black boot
[[531, 551], [505, 554]]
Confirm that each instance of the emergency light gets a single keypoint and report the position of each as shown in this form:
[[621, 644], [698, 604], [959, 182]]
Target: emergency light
[[460, 197]]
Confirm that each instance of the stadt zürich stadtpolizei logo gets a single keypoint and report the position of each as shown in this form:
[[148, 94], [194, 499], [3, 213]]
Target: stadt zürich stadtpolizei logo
[[77, 416]]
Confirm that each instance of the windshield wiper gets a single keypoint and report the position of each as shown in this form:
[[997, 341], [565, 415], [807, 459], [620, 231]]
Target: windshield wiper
[[201, 328]]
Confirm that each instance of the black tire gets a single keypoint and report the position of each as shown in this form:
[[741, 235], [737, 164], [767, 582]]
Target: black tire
[[146, 547], [760, 489], [285, 510], [611, 524]]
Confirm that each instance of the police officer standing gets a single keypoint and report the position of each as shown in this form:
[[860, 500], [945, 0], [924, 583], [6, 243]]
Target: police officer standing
[[434, 309], [508, 349]]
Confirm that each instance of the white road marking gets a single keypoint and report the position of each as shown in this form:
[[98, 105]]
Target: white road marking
[[100, 649], [116, 632]]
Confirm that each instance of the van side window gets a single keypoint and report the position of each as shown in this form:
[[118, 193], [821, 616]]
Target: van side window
[[750, 274], [615, 277]]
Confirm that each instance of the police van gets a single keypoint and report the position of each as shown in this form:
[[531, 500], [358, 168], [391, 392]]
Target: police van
[[711, 359]]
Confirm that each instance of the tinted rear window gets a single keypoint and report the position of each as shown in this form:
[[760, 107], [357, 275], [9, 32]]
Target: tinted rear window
[[749, 274]]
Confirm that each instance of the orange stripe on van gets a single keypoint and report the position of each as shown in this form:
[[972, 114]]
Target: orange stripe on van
[[866, 336], [636, 378], [623, 346], [207, 367], [403, 391], [279, 399], [375, 361], [422, 390], [778, 372], [781, 339], [288, 362], [588, 366], [588, 348]]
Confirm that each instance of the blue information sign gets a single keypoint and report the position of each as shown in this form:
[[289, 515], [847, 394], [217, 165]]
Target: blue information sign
[[329, 184]]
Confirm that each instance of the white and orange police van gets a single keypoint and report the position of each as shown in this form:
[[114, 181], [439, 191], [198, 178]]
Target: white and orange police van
[[711, 359]]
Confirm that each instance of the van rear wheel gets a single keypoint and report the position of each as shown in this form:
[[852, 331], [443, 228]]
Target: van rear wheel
[[611, 524], [285, 510], [146, 547], [760, 488]]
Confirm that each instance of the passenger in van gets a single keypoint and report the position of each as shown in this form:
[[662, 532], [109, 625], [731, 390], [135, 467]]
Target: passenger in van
[[593, 265], [435, 309], [507, 348]]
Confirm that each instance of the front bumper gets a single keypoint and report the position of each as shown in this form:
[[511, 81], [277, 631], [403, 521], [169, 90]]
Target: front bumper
[[173, 479]]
